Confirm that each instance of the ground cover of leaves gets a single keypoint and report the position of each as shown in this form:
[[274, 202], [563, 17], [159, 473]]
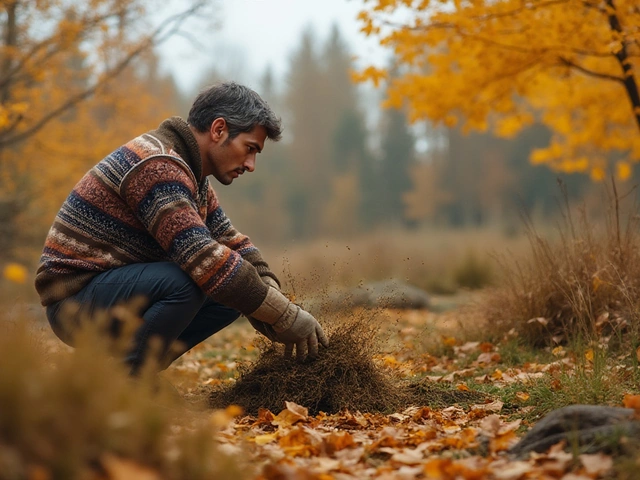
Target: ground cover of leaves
[[463, 439]]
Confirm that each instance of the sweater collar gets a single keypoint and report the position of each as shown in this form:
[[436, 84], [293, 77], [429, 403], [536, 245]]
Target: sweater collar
[[177, 134]]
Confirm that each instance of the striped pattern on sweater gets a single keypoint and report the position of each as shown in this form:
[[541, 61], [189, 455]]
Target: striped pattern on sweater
[[140, 204]]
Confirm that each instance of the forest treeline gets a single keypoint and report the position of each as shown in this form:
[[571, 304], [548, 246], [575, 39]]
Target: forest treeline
[[345, 166]]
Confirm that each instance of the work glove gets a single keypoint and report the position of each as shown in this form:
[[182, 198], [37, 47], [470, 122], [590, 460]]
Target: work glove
[[290, 325], [261, 327]]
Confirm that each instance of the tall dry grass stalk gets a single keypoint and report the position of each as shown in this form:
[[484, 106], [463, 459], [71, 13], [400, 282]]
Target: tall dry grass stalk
[[585, 285]]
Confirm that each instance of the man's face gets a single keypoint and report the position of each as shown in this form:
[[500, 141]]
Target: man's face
[[229, 158]]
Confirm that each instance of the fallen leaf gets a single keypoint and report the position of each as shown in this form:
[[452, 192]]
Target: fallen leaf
[[540, 320], [408, 457], [512, 471], [523, 396], [494, 406], [292, 414], [632, 401], [449, 341], [265, 438], [335, 442], [122, 469], [596, 464]]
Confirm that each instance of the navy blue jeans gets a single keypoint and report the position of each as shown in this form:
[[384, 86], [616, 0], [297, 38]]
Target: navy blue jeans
[[175, 309]]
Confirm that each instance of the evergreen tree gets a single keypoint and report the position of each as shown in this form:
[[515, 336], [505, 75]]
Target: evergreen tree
[[397, 157]]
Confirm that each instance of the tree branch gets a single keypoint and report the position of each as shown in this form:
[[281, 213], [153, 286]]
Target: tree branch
[[159, 35], [628, 77], [592, 73], [8, 75]]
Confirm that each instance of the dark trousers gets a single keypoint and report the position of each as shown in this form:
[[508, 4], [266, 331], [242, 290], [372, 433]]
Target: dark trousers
[[174, 309]]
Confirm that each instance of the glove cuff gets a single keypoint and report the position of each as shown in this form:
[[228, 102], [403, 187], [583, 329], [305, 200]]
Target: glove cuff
[[273, 307], [287, 319]]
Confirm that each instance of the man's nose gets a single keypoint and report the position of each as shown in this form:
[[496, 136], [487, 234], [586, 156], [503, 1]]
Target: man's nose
[[250, 163]]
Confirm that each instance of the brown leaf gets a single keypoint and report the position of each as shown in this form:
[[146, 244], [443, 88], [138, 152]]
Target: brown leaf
[[265, 417]]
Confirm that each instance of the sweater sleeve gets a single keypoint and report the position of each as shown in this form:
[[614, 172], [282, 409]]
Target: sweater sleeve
[[224, 232], [162, 194]]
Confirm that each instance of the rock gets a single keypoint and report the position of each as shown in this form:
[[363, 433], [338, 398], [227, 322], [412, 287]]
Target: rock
[[386, 294], [593, 428]]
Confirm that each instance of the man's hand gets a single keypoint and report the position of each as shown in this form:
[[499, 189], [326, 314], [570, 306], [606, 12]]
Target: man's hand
[[304, 333], [292, 326], [263, 328]]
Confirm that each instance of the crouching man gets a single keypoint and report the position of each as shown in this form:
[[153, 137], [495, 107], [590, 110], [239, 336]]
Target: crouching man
[[145, 223]]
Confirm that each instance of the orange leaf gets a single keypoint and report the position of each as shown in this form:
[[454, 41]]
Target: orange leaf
[[338, 441], [502, 442], [632, 401], [449, 341], [462, 387], [523, 396]]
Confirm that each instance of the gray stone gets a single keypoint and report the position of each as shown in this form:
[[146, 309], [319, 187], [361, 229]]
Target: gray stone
[[387, 294], [591, 428]]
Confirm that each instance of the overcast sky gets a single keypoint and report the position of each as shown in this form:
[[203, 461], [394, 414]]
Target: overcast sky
[[252, 34]]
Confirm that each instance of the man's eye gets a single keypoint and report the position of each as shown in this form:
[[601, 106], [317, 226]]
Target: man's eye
[[250, 148]]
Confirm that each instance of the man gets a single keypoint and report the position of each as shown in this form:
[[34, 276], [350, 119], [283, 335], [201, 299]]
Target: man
[[144, 222]]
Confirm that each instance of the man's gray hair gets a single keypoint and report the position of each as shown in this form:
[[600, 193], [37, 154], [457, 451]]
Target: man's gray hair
[[242, 109]]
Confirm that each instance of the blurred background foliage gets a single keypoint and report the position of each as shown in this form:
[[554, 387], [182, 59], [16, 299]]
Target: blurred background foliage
[[81, 78]]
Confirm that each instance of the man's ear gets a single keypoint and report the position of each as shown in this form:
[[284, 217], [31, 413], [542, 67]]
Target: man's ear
[[218, 130]]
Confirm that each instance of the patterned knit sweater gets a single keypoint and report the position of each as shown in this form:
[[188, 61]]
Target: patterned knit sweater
[[147, 202]]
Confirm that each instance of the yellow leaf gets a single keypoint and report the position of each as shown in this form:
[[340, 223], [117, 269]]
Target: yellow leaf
[[597, 174], [462, 387], [15, 272], [623, 170], [523, 396], [265, 438], [234, 410], [589, 355]]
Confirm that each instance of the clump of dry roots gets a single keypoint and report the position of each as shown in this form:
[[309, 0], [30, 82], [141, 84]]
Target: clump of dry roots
[[344, 376]]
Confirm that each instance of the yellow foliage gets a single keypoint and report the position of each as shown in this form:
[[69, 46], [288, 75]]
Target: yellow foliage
[[16, 273], [504, 64], [55, 120]]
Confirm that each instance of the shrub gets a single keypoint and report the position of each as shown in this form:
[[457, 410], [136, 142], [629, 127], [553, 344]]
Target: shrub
[[74, 415], [585, 285]]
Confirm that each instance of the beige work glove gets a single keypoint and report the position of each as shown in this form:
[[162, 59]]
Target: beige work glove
[[262, 327], [291, 325]]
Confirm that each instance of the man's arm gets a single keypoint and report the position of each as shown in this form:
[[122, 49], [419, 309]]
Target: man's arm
[[161, 193], [224, 232]]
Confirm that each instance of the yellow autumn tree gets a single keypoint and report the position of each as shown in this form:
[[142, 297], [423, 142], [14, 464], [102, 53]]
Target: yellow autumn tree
[[502, 65], [75, 82]]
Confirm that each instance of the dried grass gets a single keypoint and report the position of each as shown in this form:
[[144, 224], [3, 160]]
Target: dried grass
[[67, 415], [584, 286], [344, 376]]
